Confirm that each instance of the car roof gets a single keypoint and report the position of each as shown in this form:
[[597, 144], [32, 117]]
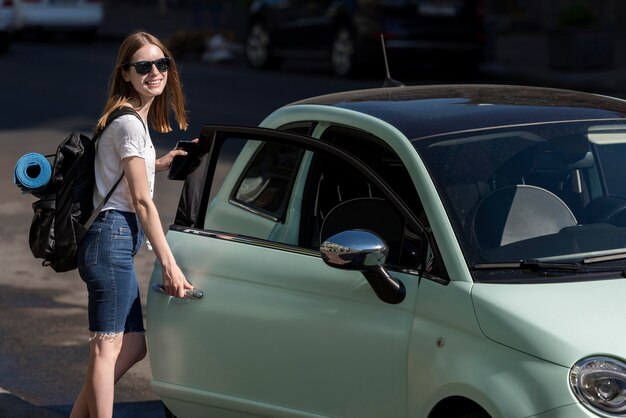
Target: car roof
[[423, 111]]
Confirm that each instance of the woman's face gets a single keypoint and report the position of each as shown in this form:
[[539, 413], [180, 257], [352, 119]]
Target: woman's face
[[150, 85]]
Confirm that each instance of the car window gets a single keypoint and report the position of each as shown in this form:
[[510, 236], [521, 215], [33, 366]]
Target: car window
[[339, 198], [288, 194], [265, 185], [345, 199], [382, 160], [551, 191], [301, 128]]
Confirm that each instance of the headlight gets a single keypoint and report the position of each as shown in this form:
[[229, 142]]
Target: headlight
[[600, 384]]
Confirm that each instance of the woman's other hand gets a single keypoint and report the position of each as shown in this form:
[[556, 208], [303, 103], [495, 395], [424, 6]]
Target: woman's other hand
[[165, 162]]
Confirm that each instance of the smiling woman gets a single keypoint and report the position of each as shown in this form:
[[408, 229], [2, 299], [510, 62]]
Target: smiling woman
[[125, 167]]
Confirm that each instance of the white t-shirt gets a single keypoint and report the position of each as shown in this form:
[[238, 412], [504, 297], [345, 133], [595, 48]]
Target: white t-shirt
[[125, 137]]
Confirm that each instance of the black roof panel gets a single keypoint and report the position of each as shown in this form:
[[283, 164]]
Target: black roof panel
[[422, 111]]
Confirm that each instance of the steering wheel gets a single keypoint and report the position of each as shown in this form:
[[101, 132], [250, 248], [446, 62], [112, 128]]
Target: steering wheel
[[607, 209]]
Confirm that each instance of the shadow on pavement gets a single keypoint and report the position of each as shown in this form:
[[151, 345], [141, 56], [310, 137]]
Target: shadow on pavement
[[146, 409], [12, 407]]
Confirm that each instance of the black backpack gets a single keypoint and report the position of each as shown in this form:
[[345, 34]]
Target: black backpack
[[65, 210]]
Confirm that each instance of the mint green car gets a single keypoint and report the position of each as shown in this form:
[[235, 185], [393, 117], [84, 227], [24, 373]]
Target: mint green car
[[435, 251]]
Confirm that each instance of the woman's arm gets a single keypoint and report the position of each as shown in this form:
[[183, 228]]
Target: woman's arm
[[173, 278]]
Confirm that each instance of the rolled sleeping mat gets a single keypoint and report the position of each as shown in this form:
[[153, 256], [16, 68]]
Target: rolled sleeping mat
[[33, 172]]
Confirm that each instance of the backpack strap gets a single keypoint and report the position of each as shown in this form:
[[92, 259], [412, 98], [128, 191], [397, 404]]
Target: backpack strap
[[120, 111]]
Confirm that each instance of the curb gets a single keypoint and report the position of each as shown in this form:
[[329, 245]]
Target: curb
[[12, 406]]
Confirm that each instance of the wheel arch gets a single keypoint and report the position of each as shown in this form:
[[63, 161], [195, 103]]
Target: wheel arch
[[458, 406], [256, 9], [258, 12], [257, 16]]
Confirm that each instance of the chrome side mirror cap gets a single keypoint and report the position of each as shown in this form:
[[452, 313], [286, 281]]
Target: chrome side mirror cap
[[366, 252], [354, 250]]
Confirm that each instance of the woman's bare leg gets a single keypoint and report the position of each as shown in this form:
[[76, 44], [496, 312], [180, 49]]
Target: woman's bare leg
[[132, 351]]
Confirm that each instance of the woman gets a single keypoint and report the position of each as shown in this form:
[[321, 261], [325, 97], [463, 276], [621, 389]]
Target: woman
[[145, 78]]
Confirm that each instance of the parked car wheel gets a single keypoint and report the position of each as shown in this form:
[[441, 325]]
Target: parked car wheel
[[259, 47], [343, 52]]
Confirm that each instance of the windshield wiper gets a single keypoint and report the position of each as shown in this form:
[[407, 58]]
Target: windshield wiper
[[546, 265], [531, 264], [537, 265], [602, 258]]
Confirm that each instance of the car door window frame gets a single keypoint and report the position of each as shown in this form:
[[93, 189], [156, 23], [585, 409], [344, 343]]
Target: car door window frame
[[214, 136]]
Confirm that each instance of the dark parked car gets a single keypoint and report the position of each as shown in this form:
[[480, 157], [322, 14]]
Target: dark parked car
[[347, 32]]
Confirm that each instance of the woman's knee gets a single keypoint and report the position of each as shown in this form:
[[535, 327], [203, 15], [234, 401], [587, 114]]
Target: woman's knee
[[106, 345]]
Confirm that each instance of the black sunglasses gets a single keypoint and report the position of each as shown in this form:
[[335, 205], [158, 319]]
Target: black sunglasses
[[144, 67]]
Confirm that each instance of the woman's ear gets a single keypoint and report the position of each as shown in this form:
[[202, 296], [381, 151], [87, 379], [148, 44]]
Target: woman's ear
[[125, 75]]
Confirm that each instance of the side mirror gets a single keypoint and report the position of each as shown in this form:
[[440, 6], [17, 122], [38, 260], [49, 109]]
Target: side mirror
[[364, 251]]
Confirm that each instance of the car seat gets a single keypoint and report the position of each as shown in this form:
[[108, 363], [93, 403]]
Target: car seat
[[516, 213]]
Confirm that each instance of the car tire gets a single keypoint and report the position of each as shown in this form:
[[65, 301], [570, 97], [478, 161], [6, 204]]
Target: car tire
[[259, 47], [343, 52]]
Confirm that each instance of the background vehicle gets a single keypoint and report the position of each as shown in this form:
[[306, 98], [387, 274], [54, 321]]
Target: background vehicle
[[346, 33], [84, 16], [433, 251], [6, 23]]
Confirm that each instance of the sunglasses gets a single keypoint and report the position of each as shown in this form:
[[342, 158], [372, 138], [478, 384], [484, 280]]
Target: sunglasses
[[144, 67]]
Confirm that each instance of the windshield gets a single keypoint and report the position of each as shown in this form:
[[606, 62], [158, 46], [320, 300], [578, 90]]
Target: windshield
[[550, 192]]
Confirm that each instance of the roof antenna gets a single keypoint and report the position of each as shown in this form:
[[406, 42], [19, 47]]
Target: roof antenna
[[389, 82]]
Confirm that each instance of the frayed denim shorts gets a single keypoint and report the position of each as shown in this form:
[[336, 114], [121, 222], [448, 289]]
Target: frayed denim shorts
[[105, 264]]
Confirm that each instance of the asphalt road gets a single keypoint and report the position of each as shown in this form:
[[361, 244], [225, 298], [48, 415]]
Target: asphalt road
[[49, 89]]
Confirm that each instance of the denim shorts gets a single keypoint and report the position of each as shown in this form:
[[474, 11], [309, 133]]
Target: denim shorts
[[105, 263]]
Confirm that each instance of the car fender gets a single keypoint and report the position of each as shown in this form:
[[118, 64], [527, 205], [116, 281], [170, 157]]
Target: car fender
[[465, 363]]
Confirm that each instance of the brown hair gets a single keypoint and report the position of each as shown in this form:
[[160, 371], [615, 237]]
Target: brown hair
[[122, 92]]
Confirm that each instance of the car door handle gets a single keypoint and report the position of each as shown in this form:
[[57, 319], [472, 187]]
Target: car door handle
[[191, 293]]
